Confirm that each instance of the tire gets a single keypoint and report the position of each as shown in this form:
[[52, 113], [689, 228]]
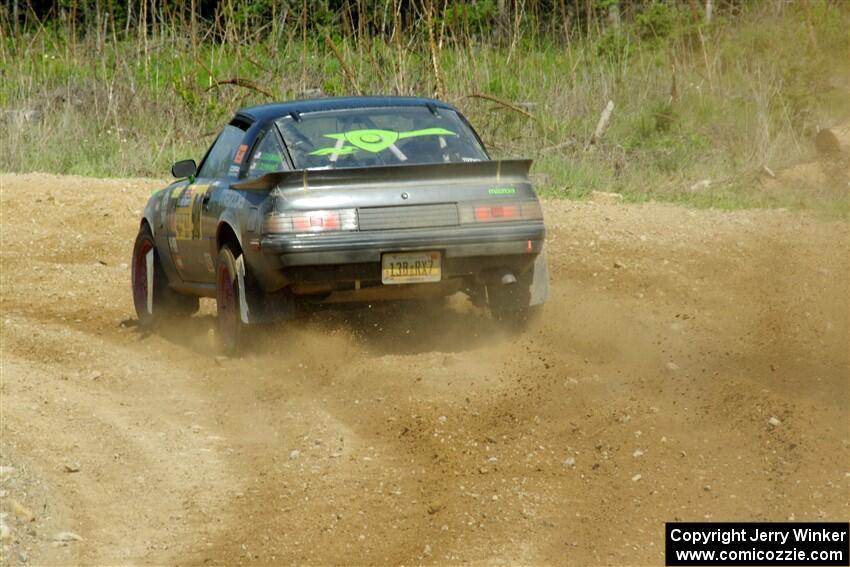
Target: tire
[[230, 330], [164, 301]]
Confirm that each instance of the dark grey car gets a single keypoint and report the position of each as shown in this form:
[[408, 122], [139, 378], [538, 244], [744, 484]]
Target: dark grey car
[[341, 200]]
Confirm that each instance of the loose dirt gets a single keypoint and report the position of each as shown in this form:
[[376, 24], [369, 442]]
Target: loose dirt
[[691, 365]]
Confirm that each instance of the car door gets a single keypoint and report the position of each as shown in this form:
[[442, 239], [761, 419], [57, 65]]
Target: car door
[[220, 167]]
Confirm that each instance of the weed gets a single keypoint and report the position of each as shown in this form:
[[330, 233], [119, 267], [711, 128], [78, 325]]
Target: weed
[[693, 101]]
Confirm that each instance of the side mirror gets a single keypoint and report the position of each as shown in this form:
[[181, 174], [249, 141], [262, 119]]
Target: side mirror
[[184, 168]]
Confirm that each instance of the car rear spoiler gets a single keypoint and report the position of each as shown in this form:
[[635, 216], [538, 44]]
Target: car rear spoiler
[[495, 170]]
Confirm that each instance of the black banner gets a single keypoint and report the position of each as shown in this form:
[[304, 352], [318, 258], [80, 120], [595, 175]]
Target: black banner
[[755, 543]]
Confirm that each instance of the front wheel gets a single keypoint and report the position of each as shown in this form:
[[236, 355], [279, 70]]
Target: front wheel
[[153, 299]]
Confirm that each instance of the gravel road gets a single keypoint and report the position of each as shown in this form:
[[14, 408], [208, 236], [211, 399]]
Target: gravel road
[[691, 365]]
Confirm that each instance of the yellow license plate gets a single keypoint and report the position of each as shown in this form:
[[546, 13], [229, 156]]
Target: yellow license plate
[[410, 267]]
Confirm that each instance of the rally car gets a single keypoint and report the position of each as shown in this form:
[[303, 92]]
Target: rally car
[[340, 200]]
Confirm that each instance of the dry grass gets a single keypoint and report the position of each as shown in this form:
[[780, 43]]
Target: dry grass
[[714, 103]]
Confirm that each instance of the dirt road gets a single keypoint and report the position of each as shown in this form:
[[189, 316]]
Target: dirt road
[[691, 365]]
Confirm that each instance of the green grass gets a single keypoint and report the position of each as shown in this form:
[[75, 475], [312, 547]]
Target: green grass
[[698, 102]]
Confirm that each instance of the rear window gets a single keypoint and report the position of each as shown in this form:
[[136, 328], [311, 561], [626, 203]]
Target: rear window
[[378, 136]]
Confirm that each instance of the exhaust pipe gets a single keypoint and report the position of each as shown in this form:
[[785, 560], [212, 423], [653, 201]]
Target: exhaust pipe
[[496, 276], [508, 278]]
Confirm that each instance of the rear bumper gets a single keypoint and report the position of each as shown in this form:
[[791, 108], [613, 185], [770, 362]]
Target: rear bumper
[[366, 247]]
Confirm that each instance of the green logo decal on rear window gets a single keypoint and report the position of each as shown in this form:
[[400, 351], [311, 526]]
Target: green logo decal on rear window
[[373, 141], [501, 191]]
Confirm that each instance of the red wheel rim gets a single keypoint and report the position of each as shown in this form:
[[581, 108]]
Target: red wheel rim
[[140, 277], [227, 308]]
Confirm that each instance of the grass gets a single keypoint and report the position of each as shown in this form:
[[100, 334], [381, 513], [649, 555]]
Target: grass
[[699, 103]]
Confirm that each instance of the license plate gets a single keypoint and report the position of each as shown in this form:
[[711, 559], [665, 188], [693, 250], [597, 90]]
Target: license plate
[[410, 267]]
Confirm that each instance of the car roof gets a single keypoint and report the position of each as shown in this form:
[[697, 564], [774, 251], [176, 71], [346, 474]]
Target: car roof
[[275, 110]]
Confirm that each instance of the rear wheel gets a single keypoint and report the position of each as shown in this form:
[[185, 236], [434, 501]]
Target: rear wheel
[[231, 330], [153, 299]]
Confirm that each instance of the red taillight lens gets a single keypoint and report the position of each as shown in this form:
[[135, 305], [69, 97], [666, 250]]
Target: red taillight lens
[[503, 212], [500, 211], [300, 224], [316, 221], [311, 221]]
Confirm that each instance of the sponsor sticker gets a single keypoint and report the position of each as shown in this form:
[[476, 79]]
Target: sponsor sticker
[[183, 214], [188, 214], [240, 154], [372, 140], [233, 199]]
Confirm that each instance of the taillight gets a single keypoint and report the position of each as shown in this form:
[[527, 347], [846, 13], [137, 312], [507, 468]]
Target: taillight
[[497, 213], [311, 221], [500, 212], [316, 221]]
